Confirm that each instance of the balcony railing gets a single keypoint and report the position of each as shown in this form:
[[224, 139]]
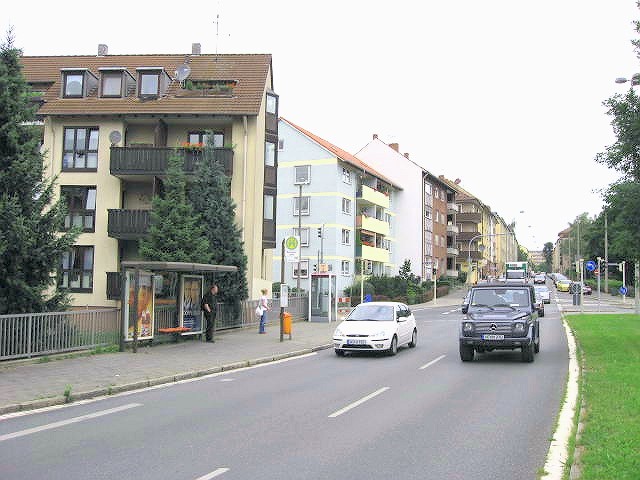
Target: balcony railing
[[128, 224], [453, 228], [154, 160], [452, 207], [372, 196], [463, 237], [372, 224], [475, 217], [452, 251]]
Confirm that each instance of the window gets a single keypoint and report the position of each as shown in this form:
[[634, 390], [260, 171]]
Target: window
[[204, 137], [81, 207], [73, 84], [346, 236], [303, 174], [149, 84], [281, 144], [304, 236], [272, 104], [76, 273], [270, 154], [346, 176], [346, 206], [268, 207], [111, 84], [80, 149], [345, 267], [304, 269], [297, 210]]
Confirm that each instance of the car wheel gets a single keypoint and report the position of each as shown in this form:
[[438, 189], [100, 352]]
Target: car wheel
[[527, 353], [466, 353], [542, 312], [393, 348], [340, 353], [414, 339], [536, 346]]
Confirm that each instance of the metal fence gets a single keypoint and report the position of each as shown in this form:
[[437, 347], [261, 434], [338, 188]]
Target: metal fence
[[35, 334]]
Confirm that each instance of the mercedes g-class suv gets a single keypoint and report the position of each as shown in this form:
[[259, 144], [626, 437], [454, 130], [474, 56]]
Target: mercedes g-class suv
[[500, 316]]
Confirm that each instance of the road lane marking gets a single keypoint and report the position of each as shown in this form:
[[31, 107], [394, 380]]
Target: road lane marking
[[359, 402], [215, 473], [432, 362], [63, 423]]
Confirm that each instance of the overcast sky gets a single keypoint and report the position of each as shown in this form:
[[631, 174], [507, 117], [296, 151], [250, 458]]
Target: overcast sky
[[505, 95]]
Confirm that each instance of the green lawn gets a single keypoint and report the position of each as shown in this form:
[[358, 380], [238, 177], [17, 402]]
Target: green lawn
[[609, 346]]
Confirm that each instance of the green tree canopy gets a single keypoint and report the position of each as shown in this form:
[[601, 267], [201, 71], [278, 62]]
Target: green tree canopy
[[31, 246]]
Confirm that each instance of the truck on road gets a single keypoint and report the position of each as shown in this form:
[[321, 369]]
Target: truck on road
[[516, 271]]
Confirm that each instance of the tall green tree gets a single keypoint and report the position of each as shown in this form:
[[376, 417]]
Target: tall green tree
[[176, 233], [210, 195], [31, 246], [547, 253]]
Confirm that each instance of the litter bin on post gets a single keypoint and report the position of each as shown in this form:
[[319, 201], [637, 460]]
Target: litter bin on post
[[286, 323]]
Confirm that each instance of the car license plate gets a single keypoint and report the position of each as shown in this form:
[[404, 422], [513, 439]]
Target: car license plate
[[351, 341], [492, 336]]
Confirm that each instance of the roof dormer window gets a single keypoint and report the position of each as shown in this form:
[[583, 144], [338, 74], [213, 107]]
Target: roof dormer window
[[152, 82], [77, 82], [115, 82]]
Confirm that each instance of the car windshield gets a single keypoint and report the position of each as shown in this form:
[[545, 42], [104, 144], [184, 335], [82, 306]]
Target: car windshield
[[371, 313], [500, 297]]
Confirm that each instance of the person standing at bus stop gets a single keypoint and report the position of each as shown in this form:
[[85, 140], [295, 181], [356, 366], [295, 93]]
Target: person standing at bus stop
[[264, 305], [209, 302]]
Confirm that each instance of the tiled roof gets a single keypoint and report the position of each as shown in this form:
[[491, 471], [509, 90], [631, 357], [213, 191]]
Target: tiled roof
[[341, 154], [252, 73]]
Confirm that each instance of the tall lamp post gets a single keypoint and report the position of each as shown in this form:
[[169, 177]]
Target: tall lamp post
[[475, 237], [299, 235]]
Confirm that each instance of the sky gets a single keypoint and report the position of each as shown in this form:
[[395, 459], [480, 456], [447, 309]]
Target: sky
[[505, 95]]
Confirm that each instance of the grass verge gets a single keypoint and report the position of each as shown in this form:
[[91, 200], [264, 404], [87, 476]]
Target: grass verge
[[610, 353]]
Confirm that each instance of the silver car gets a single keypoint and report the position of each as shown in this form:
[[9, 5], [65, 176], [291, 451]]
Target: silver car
[[543, 292]]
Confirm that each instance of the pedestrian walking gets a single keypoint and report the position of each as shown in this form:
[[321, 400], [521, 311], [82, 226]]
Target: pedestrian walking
[[264, 307], [209, 302]]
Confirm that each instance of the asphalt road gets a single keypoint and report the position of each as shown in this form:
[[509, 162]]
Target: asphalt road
[[422, 414]]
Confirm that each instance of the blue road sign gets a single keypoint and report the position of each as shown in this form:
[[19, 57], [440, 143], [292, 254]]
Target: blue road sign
[[590, 265], [623, 290], [367, 297]]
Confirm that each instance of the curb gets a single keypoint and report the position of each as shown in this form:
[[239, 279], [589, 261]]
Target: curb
[[127, 387]]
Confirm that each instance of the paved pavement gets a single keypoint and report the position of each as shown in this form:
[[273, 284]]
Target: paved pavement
[[27, 385]]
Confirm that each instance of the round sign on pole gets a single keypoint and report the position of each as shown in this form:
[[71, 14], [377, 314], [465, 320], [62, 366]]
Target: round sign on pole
[[590, 265], [623, 290]]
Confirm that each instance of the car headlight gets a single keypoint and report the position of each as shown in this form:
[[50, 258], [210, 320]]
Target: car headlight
[[467, 327], [379, 335], [338, 333], [518, 327]]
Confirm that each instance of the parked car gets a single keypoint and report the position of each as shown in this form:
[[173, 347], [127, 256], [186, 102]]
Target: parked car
[[376, 327], [543, 292], [563, 285], [540, 278]]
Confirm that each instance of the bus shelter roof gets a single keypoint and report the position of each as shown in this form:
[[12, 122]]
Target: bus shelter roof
[[177, 266]]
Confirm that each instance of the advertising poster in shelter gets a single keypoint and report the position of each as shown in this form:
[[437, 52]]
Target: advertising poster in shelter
[[144, 314], [191, 297]]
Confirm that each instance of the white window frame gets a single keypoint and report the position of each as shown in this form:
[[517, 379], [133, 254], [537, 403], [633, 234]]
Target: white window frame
[[346, 176], [302, 200], [304, 232], [346, 206], [346, 236], [345, 267], [304, 269], [304, 179]]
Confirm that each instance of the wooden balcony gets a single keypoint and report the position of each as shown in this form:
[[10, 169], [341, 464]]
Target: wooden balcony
[[152, 161], [128, 224]]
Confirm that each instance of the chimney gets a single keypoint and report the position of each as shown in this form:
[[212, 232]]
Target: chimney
[[103, 50], [406, 155], [375, 136], [395, 146], [196, 49]]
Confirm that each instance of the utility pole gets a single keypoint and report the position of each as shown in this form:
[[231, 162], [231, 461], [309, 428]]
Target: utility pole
[[637, 286], [299, 235], [606, 255]]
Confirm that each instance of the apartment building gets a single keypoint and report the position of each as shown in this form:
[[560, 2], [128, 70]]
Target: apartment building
[[342, 209], [425, 208], [110, 122]]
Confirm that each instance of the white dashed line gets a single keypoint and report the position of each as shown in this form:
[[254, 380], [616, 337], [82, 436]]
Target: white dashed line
[[432, 362], [359, 402], [215, 473]]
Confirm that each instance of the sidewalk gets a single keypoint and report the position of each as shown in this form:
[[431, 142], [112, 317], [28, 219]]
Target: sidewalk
[[26, 385]]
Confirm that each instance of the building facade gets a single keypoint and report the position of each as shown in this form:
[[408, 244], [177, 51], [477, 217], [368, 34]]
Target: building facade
[[110, 123]]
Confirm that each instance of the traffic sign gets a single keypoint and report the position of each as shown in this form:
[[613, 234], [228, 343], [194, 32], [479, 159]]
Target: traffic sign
[[292, 249], [623, 290], [590, 265], [575, 288]]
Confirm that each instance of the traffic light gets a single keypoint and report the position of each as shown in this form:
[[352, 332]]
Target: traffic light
[[315, 267], [435, 271], [621, 266], [319, 232]]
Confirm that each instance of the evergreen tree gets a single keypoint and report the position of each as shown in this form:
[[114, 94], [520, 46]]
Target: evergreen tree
[[175, 233], [211, 198], [31, 246]]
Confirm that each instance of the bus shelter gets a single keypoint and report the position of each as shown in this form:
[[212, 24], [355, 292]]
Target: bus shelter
[[141, 280]]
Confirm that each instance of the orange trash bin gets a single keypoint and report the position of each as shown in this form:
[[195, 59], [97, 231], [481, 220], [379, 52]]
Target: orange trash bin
[[286, 323]]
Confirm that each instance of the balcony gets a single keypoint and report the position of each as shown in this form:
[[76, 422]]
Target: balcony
[[464, 254], [372, 196], [372, 224], [452, 251], [452, 273], [372, 253], [128, 224], [153, 161], [452, 207], [475, 217], [451, 228], [464, 237]]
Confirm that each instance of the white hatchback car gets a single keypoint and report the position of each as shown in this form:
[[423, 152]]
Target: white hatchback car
[[376, 327]]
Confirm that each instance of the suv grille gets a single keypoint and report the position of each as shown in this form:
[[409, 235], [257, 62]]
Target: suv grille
[[500, 327]]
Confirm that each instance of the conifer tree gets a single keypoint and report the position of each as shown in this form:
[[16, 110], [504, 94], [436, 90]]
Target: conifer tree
[[31, 246], [211, 198], [175, 233]]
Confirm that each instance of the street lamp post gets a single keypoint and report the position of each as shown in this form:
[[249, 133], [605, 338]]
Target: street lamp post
[[299, 235], [475, 237]]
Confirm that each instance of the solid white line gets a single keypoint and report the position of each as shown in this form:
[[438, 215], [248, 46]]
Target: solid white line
[[355, 404], [432, 362], [62, 423], [215, 473]]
